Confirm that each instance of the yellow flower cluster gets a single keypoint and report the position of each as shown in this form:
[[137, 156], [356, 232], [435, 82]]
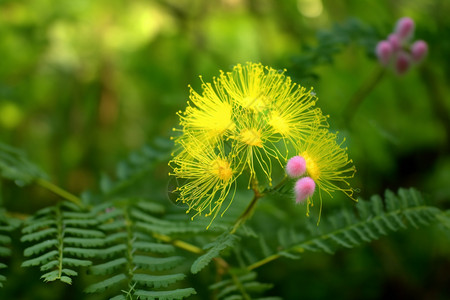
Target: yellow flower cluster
[[246, 121]]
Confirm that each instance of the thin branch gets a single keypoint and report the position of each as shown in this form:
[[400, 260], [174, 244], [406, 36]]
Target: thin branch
[[362, 93], [59, 191], [177, 243], [248, 211]]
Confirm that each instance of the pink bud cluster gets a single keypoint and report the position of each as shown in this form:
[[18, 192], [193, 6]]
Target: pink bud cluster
[[398, 51], [305, 186]]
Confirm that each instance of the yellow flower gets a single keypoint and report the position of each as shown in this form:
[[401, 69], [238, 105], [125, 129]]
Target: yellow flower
[[327, 163], [268, 107], [244, 122], [252, 86], [254, 145], [293, 115], [207, 114], [209, 174]]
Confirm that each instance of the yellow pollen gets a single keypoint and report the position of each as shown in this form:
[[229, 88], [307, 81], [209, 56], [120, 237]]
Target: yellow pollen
[[221, 168], [278, 123], [311, 166], [251, 137]]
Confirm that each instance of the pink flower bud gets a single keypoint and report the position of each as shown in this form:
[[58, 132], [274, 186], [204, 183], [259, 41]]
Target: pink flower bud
[[402, 63], [296, 166], [394, 40], [404, 28], [304, 188], [384, 52], [419, 50]]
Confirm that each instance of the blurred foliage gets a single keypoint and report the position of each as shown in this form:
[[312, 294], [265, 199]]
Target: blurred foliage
[[83, 83]]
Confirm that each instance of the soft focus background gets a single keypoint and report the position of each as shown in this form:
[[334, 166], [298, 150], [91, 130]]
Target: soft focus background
[[83, 83]]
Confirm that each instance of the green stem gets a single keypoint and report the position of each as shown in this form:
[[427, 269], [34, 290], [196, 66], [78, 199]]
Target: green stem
[[59, 225], [437, 98], [263, 261], [300, 248], [240, 286], [130, 251], [362, 93], [178, 243], [248, 211], [59, 191], [279, 185]]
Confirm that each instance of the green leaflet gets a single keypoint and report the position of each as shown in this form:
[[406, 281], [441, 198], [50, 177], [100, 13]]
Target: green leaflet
[[14, 165], [157, 281], [106, 284], [243, 286], [221, 243], [138, 165], [6, 226], [165, 295]]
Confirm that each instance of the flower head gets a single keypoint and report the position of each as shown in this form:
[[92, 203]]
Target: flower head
[[209, 173], [207, 115], [246, 121]]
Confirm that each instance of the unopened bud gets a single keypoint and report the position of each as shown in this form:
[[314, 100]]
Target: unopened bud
[[402, 63], [419, 50], [296, 166], [304, 188], [404, 28], [394, 40], [384, 52]]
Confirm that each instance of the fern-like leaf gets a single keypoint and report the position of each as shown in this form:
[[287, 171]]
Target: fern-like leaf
[[222, 242], [243, 286], [139, 164], [131, 260], [6, 226], [58, 244], [15, 166], [375, 218]]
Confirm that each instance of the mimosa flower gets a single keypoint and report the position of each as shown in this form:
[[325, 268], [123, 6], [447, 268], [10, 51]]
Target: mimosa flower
[[327, 163], [209, 174], [207, 114], [254, 86], [244, 122]]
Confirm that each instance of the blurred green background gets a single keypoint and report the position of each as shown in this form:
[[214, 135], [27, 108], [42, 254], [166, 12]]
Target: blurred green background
[[83, 83]]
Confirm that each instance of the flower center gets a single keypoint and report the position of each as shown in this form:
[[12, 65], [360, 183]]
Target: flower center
[[311, 166], [251, 137], [221, 168], [278, 123]]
